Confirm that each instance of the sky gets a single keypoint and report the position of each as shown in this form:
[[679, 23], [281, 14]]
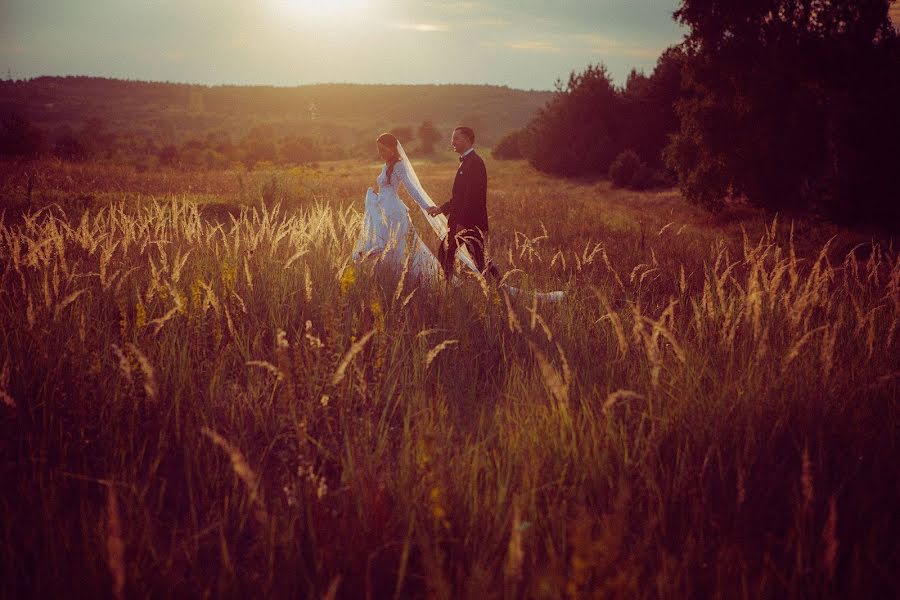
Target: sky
[[525, 44]]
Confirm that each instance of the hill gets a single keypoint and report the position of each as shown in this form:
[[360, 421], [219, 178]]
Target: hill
[[343, 114]]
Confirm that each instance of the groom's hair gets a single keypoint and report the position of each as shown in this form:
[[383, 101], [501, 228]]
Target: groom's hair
[[467, 131]]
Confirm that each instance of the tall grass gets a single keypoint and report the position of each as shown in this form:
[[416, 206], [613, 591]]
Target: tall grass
[[205, 404]]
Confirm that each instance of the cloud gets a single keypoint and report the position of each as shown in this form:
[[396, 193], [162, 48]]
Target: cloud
[[535, 46], [490, 22], [427, 27], [461, 7], [604, 45]]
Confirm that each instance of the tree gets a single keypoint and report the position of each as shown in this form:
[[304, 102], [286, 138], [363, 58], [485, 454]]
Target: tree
[[649, 107], [300, 150], [403, 134], [69, 147], [168, 155], [580, 130], [624, 168], [790, 105], [19, 138], [428, 136], [508, 148]]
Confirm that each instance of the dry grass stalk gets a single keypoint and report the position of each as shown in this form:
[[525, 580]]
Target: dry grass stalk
[[830, 541], [795, 349], [147, 369], [355, 349], [62, 304], [7, 399], [241, 468], [331, 592], [432, 354], [618, 396], [555, 382], [402, 280], [124, 363], [279, 375], [115, 544], [307, 284], [512, 318], [515, 553], [616, 323], [806, 478]]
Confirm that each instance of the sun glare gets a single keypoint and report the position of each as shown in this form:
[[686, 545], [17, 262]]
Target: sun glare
[[322, 8]]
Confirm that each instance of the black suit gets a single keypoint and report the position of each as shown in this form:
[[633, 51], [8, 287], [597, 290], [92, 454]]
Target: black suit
[[467, 214]]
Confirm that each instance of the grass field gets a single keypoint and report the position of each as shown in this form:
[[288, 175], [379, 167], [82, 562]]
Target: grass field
[[200, 397]]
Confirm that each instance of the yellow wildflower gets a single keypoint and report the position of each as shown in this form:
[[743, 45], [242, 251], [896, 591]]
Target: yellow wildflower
[[348, 278], [140, 318]]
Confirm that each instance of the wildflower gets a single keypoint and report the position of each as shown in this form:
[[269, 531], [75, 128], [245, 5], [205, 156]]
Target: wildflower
[[196, 302], [140, 319], [378, 314], [348, 278], [228, 273]]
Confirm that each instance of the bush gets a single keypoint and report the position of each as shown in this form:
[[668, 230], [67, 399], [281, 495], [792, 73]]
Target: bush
[[644, 179], [508, 147], [18, 137], [579, 131], [623, 170]]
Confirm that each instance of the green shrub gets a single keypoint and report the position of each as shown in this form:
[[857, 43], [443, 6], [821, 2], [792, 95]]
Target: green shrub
[[508, 147], [623, 170]]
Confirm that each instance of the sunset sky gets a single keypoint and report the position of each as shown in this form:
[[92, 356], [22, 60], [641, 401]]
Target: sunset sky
[[521, 43]]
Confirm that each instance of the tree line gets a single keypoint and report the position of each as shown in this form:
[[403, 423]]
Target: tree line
[[19, 138], [786, 104]]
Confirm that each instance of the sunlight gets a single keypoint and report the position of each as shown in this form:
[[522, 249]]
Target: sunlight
[[329, 9]]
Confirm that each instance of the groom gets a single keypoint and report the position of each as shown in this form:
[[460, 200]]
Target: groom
[[467, 209]]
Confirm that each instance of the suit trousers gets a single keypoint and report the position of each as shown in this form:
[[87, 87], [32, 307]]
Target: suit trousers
[[474, 243]]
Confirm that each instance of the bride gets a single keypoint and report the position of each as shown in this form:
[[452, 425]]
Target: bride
[[387, 229], [389, 234]]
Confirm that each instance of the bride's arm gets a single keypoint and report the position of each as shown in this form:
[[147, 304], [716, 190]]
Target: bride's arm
[[412, 189]]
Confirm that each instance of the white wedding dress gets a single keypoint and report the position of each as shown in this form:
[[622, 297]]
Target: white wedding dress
[[388, 231], [389, 236]]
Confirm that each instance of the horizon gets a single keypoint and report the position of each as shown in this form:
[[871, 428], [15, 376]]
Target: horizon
[[266, 85]]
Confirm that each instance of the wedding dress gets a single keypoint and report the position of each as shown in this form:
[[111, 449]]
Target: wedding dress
[[387, 229], [389, 234]]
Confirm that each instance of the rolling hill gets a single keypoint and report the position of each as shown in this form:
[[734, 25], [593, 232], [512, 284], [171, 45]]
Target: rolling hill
[[345, 114]]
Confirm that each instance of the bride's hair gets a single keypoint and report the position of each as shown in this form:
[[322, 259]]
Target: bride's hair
[[390, 142]]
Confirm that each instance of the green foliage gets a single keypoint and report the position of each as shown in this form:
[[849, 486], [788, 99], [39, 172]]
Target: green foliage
[[624, 168], [508, 147], [791, 106], [579, 131], [237, 124], [590, 121], [19, 138], [645, 178], [403, 134], [428, 137]]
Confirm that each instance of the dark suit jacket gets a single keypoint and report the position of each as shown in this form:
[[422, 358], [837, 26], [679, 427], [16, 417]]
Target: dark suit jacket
[[467, 209]]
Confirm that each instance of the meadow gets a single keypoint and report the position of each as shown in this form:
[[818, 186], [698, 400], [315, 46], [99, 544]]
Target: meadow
[[200, 395]]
